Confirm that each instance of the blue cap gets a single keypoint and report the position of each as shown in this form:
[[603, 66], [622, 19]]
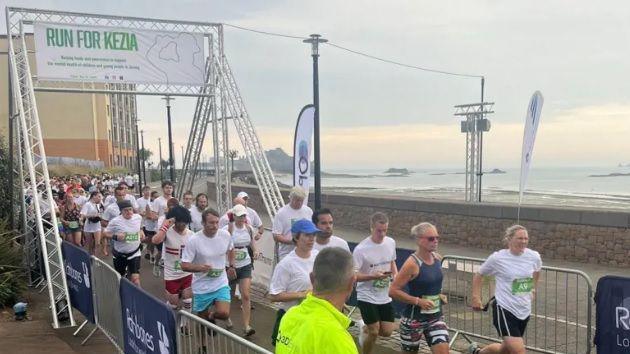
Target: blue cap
[[304, 226]]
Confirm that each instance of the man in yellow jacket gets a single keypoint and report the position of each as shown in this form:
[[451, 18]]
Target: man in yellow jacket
[[317, 326]]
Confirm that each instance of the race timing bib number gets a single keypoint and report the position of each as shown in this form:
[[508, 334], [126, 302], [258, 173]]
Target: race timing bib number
[[522, 286], [436, 302], [240, 255], [178, 265], [73, 224], [215, 273], [132, 236], [381, 283]]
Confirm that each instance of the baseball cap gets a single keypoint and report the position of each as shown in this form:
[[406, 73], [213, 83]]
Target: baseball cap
[[242, 194], [124, 204], [304, 226], [239, 210]]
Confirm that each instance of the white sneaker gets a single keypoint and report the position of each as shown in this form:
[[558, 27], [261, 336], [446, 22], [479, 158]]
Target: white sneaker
[[361, 326]]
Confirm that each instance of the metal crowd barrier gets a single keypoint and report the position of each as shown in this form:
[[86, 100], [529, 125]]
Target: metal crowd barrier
[[200, 336], [106, 289], [561, 320]]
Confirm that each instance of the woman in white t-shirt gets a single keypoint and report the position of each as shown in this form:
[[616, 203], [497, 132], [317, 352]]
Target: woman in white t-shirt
[[291, 277], [242, 238], [91, 216], [516, 270]]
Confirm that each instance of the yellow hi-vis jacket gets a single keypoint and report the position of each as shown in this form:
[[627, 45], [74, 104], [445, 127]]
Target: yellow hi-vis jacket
[[314, 327]]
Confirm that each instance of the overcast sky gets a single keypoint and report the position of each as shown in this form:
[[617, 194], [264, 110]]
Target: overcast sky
[[379, 115]]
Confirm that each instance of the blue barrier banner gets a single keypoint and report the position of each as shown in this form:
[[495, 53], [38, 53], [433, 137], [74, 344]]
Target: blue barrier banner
[[401, 256], [148, 324], [612, 298], [77, 264]]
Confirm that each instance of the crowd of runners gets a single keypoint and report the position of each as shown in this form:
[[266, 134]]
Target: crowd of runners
[[206, 258]]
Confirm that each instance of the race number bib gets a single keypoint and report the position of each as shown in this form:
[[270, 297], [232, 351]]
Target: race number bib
[[73, 224], [215, 273], [132, 236], [178, 265], [240, 255], [381, 283], [436, 302], [522, 286]]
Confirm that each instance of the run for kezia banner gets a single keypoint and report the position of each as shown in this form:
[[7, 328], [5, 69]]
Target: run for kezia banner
[[118, 55], [302, 147], [529, 137]]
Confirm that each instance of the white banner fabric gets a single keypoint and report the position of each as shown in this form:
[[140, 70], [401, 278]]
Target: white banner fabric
[[118, 55], [529, 137], [302, 148]]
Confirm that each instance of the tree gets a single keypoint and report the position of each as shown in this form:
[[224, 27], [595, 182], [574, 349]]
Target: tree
[[232, 154], [145, 154]]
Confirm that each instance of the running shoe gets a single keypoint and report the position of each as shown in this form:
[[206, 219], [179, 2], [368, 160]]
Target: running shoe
[[249, 331], [473, 348]]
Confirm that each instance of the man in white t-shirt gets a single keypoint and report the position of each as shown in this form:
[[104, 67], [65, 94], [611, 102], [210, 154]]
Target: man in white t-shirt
[[204, 255], [128, 196], [284, 219], [146, 209], [252, 216], [167, 193], [174, 233], [201, 203], [375, 263], [111, 211], [188, 199], [126, 231], [323, 219]]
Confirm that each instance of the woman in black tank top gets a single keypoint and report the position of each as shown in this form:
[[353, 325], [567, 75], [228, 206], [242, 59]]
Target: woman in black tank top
[[422, 273]]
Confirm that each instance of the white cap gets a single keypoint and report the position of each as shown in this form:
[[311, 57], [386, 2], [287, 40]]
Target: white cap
[[242, 194], [239, 210]]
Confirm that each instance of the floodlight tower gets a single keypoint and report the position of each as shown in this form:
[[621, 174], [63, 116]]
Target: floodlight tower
[[474, 125]]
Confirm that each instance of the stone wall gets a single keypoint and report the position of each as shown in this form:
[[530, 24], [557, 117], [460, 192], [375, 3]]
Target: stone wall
[[572, 234]]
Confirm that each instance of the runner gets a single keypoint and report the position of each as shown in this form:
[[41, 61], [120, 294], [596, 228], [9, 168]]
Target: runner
[[79, 197], [227, 218], [375, 261], [71, 220], [201, 203], [158, 261], [91, 217], [252, 215], [126, 231], [291, 280], [188, 199], [317, 325], [422, 273], [285, 217], [204, 255], [146, 209], [516, 270], [110, 213], [175, 233], [242, 238], [167, 193], [323, 219]]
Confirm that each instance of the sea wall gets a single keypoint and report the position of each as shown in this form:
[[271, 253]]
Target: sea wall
[[582, 235]]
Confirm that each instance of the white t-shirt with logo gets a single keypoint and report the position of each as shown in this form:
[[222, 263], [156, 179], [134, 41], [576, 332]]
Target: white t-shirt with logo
[[131, 228], [283, 221], [514, 279], [90, 208], [149, 225], [370, 257], [201, 249], [292, 274], [195, 216], [334, 241], [174, 244], [241, 238]]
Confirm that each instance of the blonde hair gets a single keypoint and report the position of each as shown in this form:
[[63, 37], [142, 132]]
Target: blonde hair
[[297, 192], [421, 229], [511, 231]]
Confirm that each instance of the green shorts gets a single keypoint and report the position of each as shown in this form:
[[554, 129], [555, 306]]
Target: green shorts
[[372, 313]]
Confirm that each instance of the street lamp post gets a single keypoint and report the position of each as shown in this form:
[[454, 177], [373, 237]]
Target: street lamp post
[[314, 41], [161, 167], [138, 159], [144, 158], [171, 161]]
